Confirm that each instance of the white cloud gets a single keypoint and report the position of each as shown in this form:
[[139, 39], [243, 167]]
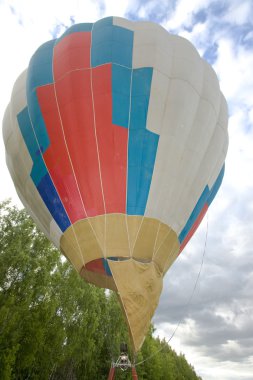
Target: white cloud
[[233, 66], [117, 8], [239, 15], [183, 13]]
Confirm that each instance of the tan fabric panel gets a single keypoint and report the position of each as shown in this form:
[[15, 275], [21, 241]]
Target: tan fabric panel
[[133, 226], [137, 280], [95, 238], [97, 224], [98, 279], [80, 245], [163, 230], [117, 242], [167, 251], [87, 239], [139, 286], [145, 242], [147, 238], [69, 247]]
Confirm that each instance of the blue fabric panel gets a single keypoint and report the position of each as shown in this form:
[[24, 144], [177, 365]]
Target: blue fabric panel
[[38, 122], [122, 49], [84, 27], [141, 159], [139, 111], [35, 135], [111, 43], [100, 24], [141, 84], [106, 267], [101, 42], [142, 81], [194, 215], [102, 35], [118, 258], [150, 144], [27, 133], [39, 169], [216, 186], [101, 53], [121, 81], [40, 66], [101, 48], [133, 184], [39, 73], [51, 199], [39, 173], [206, 197], [142, 144]]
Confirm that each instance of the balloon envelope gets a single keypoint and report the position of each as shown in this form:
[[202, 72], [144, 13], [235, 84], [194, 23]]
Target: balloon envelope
[[116, 137]]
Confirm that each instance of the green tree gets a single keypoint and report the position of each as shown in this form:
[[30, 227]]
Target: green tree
[[55, 326], [49, 316]]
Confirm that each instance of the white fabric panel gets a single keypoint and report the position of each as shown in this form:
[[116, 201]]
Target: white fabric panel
[[6, 131], [222, 125], [183, 48], [153, 48], [55, 233], [189, 69], [18, 95], [171, 57], [16, 171], [223, 115], [193, 133], [20, 163], [207, 167], [211, 90], [211, 157], [30, 211], [156, 29], [15, 145], [181, 108], [124, 23], [157, 101], [148, 55], [188, 171]]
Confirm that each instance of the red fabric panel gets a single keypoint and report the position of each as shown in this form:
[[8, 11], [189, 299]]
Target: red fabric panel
[[75, 103], [112, 142], [84, 147], [96, 266], [134, 374], [56, 158], [194, 227], [111, 375], [71, 53]]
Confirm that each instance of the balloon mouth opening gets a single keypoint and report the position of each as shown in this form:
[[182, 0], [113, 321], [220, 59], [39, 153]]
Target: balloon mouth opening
[[101, 266]]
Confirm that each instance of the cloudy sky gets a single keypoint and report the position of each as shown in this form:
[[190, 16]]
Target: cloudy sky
[[216, 329]]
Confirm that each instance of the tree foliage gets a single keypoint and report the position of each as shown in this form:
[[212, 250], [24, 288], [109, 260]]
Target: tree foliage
[[55, 326]]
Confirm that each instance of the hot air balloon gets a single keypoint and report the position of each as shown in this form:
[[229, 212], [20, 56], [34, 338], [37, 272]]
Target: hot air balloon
[[116, 137]]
